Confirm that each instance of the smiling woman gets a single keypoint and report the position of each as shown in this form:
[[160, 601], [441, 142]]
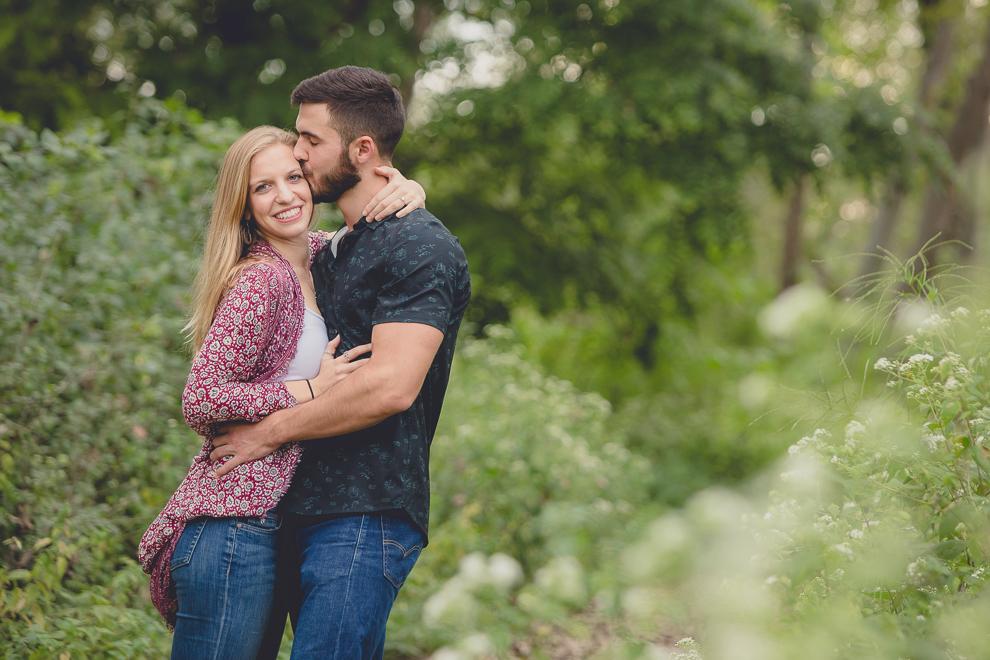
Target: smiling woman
[[261, 346]]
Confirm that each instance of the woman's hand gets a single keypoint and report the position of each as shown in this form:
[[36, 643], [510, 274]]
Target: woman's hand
[[335, 369], [400, 196]]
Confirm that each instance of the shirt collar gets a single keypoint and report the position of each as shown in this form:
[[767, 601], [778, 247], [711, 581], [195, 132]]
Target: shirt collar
[[359, 226]]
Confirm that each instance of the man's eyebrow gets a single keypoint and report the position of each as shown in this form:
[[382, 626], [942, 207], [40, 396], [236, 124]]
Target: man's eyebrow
[[308, 134]]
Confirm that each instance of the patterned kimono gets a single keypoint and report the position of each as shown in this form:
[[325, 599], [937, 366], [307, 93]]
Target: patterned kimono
[[236, 375]]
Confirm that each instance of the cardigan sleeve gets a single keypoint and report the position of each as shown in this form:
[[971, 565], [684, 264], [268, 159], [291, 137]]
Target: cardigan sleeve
[[218, 389], [317, 241]]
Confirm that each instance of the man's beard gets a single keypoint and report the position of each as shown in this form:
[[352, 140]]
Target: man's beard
[[330, 186]]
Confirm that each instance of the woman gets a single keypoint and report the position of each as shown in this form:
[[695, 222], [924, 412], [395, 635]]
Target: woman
[[262, 346]]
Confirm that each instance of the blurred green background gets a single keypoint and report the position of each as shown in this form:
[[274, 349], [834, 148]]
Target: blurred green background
[[668, 208]]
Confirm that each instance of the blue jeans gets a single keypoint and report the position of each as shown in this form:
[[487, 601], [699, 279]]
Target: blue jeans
[[224, 573], [350, 571]]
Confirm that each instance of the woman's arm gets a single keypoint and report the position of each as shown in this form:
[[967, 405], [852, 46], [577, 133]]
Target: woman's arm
[[218, 389], [332, 371], [401, 196]]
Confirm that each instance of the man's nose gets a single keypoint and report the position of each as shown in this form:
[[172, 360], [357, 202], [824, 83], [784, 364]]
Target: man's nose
[[298, 152]]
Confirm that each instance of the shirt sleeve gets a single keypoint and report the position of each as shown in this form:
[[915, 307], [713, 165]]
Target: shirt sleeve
[[418, 276], [218, 389]]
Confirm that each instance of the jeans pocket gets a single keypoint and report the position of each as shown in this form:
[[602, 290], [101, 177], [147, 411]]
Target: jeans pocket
[[266, 524], [401, 545], [184, 549]]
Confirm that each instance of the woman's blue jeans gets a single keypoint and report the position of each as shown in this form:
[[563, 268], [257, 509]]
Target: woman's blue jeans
[[224, 573]]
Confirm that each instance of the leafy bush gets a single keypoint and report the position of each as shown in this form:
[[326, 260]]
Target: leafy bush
[[96, 255], [98, 245]]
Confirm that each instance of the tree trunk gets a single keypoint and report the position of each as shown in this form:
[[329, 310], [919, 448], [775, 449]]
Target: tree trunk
[[792, 235], [939, 57], [944, 211], [883, 227]]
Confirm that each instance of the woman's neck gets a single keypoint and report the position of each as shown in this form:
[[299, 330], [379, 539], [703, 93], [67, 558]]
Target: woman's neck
[[294, 250]]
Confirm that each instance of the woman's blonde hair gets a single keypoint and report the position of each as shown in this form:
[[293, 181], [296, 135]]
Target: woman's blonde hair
[[229, 234]]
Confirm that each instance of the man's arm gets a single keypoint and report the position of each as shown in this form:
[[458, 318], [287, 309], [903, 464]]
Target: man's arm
[[400, 359]]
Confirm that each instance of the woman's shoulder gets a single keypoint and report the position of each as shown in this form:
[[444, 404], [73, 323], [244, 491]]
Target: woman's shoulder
[[259, 274]]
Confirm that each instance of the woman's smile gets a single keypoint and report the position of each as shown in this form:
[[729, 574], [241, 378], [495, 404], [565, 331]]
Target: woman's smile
[[289, 215]]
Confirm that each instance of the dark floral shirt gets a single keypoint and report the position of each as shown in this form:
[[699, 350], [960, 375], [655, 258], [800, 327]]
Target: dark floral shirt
[[408, 270]]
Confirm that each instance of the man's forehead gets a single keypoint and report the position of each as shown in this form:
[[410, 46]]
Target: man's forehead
[[313, 118]]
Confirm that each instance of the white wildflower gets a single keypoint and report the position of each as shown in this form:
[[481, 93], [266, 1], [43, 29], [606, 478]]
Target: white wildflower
[[920, 358], [854, 431], [883, 364], [933, 324], [824, 523], [960, 312], [855, 533], [844, 549], [952, 383]]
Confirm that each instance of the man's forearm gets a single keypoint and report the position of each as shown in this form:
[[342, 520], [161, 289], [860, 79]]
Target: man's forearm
[[361, 400]]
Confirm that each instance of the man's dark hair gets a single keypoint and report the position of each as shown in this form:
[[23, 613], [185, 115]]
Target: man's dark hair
[[361, 101]]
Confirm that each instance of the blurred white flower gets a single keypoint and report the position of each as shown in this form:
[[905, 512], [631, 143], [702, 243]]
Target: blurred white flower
[[782, 318], [504, 572], [933, 324], [563, 579], [883, 364]]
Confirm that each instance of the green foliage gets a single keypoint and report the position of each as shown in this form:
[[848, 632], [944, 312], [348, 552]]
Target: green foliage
[[526, 481], [96, 256]]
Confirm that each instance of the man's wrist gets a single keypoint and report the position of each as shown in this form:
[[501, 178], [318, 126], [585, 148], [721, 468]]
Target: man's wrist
[[277, 431]]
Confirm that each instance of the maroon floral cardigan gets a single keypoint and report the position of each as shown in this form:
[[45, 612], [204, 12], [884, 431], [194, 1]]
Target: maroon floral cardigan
[[236, 375]]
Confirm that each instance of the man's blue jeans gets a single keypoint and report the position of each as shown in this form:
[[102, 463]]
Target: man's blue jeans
[[224, 573], [351, 570]]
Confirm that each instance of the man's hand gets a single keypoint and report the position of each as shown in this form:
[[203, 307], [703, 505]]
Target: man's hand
[[243, 442]]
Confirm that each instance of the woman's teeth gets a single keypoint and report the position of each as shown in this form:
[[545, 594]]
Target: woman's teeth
[[285, 215]]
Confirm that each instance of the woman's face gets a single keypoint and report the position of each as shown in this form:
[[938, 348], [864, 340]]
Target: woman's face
[[279, 200]]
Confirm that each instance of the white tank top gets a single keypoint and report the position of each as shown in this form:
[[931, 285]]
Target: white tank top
[[309, 351]]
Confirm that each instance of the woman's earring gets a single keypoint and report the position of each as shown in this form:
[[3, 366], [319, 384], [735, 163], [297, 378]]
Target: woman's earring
[[247, 236]]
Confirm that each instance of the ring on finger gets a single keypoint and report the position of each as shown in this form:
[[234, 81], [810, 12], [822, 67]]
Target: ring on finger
[[403, 199], [347, 355]]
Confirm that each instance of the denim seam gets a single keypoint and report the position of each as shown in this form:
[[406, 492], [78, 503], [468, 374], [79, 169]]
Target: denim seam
[[232, 548], [347, 589]]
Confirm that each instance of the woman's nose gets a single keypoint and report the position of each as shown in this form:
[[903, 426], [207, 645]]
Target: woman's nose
[[283, 193]]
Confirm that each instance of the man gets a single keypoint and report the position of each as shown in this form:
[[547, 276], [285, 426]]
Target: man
[[360, 496]]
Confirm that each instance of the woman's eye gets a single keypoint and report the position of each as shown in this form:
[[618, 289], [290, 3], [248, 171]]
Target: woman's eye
[[261, 188], [295, 177]]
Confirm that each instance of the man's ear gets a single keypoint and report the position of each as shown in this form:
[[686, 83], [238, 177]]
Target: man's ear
[[363, 150]]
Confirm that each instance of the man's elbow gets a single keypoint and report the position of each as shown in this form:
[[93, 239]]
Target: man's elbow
[[398, 399]]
